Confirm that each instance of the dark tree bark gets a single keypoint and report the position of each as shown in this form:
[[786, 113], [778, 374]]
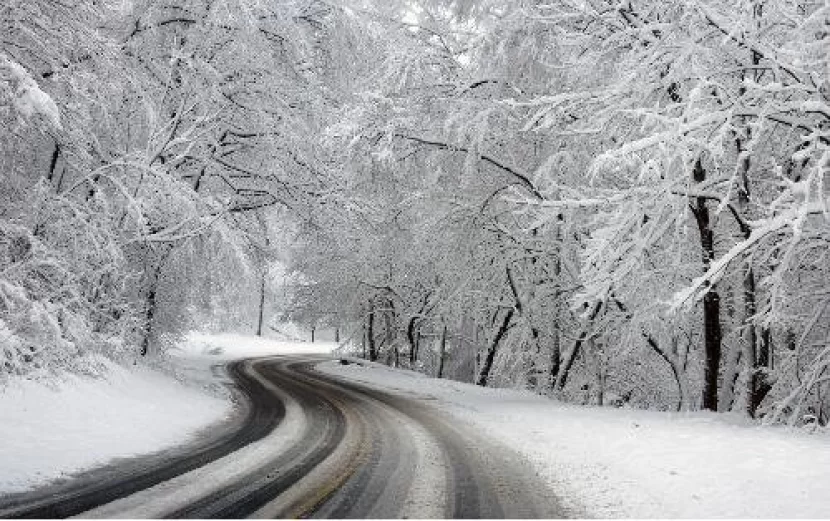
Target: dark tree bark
[[751, 340], [53, 162], [261, 317], [442, 351], [756, 361], [370, 333], [410, 337], [484, 373], [149, 314], [555, 344], [390, 334], [197, 179], [711, 301], [363, 340]]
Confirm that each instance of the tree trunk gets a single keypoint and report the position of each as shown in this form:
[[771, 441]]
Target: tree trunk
[[261, 317], [755, 391], [555, 344], [487, 366], [442, 350], [673, 360], [732, 365], [263, 261], [731, 371], [152, 297], [149, 314], [197, 179], [555, 357], [390, 335], [565, 369], [597, 396], [410, 337], [712, 341], [750, 342], [711, 301], [370, 333], [523, 312], [363, 339], [53, 163]]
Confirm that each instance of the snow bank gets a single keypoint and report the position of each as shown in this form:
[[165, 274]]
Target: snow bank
[[229, 346], [82, 422], [629, 463]]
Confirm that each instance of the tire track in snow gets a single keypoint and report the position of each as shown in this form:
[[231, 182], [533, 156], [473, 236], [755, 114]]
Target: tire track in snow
[[315, 445], [126, 477]]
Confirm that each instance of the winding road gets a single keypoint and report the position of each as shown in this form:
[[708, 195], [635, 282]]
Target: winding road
[[307, 444]]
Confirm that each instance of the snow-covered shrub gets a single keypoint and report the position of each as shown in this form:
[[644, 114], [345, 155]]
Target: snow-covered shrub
[[31, 329], [47, 316]]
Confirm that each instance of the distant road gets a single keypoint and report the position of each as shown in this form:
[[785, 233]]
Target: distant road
[[309, 445]]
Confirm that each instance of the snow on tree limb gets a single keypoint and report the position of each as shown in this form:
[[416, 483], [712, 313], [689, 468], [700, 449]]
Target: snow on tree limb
[[761, 230], [26, 96]]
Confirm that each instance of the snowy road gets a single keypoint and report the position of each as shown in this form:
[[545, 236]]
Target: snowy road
[[311, 445]]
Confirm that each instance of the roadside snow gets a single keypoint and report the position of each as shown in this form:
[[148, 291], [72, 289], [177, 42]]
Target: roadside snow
[[77, 423], [607, 462], [81, 422], [229, 346]]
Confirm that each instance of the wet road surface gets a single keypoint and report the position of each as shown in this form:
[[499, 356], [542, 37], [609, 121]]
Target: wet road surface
[[307, 444]]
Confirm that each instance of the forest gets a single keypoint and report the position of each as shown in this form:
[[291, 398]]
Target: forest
[[609, 202]]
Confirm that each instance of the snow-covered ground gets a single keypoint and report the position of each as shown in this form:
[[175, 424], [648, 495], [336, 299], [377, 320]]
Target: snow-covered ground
[[607, 462], [79, 422], [229, 346], [602, 462]]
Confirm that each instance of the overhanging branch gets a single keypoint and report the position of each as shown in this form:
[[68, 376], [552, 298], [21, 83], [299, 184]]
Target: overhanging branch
[[524, 181]]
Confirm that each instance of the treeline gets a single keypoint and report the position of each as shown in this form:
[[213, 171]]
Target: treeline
[[610, 202], [149, 151]]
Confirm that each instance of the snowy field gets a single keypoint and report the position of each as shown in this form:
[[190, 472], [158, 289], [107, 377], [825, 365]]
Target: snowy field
[[80, 422], [628, 463]]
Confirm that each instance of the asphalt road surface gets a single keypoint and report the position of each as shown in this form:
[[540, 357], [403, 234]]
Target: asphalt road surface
[[306, 444]]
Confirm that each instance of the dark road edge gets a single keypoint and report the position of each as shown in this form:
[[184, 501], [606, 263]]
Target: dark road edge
[[99, 486]]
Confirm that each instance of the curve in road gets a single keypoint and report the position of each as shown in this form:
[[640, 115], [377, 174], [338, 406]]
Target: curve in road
[[345, 451], [90, 489]]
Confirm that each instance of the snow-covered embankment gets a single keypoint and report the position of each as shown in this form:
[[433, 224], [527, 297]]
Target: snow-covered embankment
[[79, 422], [606, 462]]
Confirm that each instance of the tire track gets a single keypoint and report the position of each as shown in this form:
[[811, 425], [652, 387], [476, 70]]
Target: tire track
[[347, 451], [103, 485]]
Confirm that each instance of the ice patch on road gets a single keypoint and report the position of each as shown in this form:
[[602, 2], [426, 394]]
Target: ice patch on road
[[80, 422], [606, 462]]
